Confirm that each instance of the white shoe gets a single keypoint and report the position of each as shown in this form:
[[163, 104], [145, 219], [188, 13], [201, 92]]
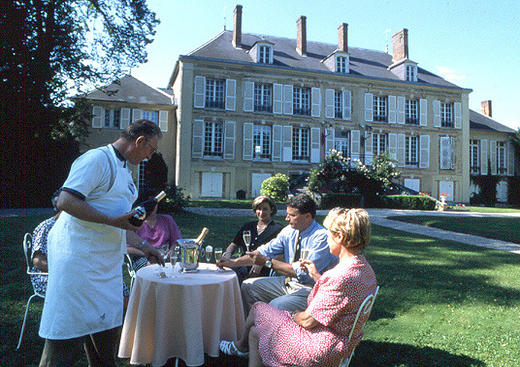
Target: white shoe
[[230, 349]]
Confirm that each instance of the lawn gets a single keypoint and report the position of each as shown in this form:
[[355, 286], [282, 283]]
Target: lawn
[[505, 229], [439, 304]]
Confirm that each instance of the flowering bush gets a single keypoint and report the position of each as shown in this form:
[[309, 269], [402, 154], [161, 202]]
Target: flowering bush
[[276, 187]]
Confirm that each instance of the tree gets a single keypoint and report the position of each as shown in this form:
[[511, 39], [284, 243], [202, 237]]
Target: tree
[[50, 50]]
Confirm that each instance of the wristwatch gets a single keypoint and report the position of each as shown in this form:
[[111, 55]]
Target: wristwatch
[[269, 263]]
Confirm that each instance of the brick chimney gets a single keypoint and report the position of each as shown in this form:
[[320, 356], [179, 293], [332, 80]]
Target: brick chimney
[[485, 107], [301, 35], [237, 29], [400, 45], [343, 37]]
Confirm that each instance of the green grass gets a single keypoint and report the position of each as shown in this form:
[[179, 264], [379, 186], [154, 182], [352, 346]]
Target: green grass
[[233, 204], [485, 209], [504, 229], [440, 304]]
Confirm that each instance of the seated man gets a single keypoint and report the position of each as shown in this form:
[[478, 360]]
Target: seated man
[[288, 292]]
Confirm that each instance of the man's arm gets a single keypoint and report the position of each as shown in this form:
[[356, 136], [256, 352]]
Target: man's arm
[[82, 210]]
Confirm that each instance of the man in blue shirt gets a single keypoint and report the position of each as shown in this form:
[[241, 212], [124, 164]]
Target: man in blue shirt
[[303, 235]]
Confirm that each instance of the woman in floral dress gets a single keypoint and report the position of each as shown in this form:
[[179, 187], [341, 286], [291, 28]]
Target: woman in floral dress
[[317, 336]]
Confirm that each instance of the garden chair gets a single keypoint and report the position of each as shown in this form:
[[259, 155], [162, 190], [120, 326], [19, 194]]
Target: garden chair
[[364, 309], [27, 250], [130, 268]]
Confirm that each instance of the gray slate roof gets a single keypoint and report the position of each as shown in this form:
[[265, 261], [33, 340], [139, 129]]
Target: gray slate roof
[[482, 122], [363, 62], [131, 90]]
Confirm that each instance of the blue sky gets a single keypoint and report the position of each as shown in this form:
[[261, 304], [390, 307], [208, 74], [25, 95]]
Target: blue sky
[[474, 44]]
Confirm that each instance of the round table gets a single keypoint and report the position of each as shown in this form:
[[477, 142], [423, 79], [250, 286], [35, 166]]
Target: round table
[[183, 315]]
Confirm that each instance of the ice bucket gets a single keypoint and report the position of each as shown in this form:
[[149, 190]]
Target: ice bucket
[[189, 261]]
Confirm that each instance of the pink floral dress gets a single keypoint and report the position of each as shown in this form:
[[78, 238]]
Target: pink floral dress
[[333, 302]]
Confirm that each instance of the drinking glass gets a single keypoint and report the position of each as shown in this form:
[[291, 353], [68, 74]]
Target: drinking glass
[[174, 256], [218, 254], [208, 253], [246, 236], [164, 252], [305, 253]]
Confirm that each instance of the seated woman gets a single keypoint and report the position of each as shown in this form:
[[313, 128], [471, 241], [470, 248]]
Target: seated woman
[[317, 336], [262, 231]]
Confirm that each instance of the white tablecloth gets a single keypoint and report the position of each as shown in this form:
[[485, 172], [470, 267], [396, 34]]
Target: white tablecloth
[[184, 315]]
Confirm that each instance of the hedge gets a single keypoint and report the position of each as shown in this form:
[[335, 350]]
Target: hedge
[[417, 202]]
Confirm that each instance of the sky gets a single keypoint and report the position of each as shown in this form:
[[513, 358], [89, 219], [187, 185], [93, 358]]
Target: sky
[[474, 44]]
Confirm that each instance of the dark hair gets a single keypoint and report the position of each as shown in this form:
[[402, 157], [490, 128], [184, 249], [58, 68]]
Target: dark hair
[[145, 128], [146, 194], [304, 203]]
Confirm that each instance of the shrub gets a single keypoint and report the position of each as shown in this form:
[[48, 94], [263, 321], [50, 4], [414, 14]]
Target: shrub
[[276, 187], [416, 202], [343, 200], [175, 200]]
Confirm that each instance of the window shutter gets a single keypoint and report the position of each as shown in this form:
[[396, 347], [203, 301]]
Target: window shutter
[[401, 154], [445, 154], [458, 115], [316, 102], [423, 110], [248, 96], [125, 118], [199, 94], [347, 105], [329, 140], [315, 144], [247, 141], [369, 107], [424, 146], [229, 140], [287, 143], [392, 146], [329, 103], [392, 110], [98, 117], [452, 153], [277, 98], [437, 113], [510, 159], [400, 110], [163, 120], [137, 114], [368, 150], [415, 73], [493, 156], [197, 139], [231, 94], [354, 144], [277, 143], [484, 157], [288, 99]]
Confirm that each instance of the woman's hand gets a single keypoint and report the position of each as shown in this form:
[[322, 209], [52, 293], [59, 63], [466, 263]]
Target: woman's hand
[[310, 268], [255, 270]]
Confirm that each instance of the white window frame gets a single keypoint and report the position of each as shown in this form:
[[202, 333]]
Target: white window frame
[[446, 112], [411, 151], [342, 142], [263, 97], [264, 54], [151, 116], [301, 101], [112, 118], [261, 133], [341, 64], [412, 112], [474, 156], [338, 104], [411, 73], [501, 158], [215, 97], [380, 110], [301, 141], [212, 142], [378, 141]]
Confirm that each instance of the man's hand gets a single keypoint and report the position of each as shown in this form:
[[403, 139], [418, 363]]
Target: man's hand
[[255, 270], [257, 258], [224, 261], [123, 221], [152, 254]]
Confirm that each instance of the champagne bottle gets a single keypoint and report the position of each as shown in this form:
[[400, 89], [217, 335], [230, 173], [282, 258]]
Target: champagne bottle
[[202, 235], [144, 209]]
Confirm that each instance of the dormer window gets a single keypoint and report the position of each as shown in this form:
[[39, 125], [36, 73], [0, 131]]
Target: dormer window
[[411, 73], [337, 62], [341, 64], [262, 52]]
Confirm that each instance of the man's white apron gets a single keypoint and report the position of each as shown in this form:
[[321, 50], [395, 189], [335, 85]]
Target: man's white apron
[[84, 292]]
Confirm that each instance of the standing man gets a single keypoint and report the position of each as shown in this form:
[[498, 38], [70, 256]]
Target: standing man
[[84, 302], [288, 292]]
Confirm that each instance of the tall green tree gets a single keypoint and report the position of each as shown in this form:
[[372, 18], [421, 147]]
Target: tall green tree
[[50, 50]]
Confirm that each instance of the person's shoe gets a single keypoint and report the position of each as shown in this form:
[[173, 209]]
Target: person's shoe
[[230, 349]]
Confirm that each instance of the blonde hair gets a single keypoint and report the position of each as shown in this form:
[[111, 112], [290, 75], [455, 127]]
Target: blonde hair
[[264, 199], [354, 224]]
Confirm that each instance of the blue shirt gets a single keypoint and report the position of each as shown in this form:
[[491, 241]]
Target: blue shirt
[[314, 238]]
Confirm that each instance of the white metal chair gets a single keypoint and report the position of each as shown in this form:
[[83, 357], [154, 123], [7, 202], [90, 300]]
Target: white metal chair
[[131, 271], [364, 309], [27, 250]]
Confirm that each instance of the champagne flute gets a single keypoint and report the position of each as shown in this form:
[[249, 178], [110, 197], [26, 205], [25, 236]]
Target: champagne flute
[[306, 253], [174, 256], [246, 236], [208, 253], [218, 255]]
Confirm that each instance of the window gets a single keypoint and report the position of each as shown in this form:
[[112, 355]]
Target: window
[[411, 112], [447, 114], [301, 101], [112, 118], [141, 176], [474, 156], [261, 142], [380, 108], [213, 139], [411, 71], [410, 146], [378, 144], [300, 144], [263, 97], [215, 96], [341, 142], [501, 158], [341, 64], [152, 116], [338, 104], [263, 54]]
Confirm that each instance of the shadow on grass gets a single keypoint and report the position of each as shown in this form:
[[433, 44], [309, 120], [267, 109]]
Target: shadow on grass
[[383, 354]]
